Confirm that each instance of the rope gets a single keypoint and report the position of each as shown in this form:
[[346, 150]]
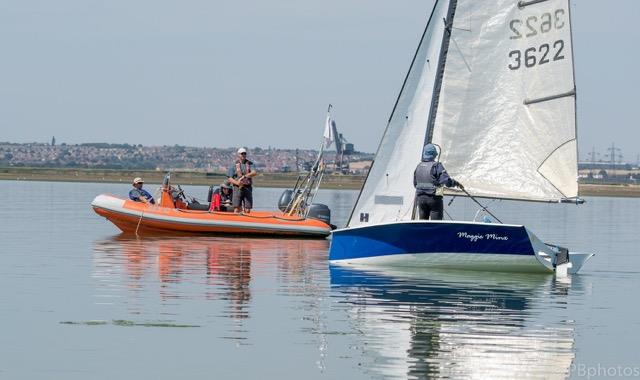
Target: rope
[[240, 214], [447, 214], [480, 204], [138, 226]]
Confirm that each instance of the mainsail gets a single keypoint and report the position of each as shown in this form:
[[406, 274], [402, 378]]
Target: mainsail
[[506, 114], [492, 84]]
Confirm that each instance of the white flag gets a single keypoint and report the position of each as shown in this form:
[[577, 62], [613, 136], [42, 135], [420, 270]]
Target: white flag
[[329, 128]]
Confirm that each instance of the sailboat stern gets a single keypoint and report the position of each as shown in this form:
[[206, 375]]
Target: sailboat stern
[[559, 259]]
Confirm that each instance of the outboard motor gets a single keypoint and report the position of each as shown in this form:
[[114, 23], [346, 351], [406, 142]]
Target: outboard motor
[[285, 199], [321, 212]]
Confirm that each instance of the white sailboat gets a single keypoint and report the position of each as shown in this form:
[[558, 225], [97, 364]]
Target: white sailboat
[[492, 83]]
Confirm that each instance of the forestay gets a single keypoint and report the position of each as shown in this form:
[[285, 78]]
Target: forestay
[[388, 193], [506, 113]]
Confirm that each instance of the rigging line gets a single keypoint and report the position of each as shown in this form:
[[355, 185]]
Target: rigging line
[[554, 186], [447, 214], [480, 204], [555, 150], [545, 160], [460, 52], [413, 208]]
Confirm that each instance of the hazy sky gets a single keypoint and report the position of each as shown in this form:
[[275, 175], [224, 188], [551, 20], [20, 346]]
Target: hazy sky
[[260, 73]]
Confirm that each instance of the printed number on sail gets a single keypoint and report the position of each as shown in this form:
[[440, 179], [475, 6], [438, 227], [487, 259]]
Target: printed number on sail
[[534, 26], [530, 26], [532, 56]]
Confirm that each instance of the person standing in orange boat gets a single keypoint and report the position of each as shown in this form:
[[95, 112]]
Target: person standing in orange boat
[[240, 176]]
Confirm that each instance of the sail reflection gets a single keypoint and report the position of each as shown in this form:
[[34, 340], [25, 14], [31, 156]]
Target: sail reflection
[[417, 324]]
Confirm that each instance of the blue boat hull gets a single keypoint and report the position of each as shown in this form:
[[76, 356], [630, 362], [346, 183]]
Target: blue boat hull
[[438, 244]]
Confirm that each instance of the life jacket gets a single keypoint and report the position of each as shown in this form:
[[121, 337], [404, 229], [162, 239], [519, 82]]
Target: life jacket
[[242, 169], [426, 181], [215, 203]]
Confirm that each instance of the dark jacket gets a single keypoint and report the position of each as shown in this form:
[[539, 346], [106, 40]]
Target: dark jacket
[[224, 198], [430, 175]]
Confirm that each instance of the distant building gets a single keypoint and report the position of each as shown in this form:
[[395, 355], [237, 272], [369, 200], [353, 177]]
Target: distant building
[[53, 141], [598, 165]]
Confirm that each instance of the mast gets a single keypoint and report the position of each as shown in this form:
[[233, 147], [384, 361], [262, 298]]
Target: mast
[[575, 91], [446, 38]]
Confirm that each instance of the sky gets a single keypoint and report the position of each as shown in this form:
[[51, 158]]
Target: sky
[[260, 73]]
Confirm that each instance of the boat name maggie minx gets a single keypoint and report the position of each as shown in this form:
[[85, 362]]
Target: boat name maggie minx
[[476, 237]]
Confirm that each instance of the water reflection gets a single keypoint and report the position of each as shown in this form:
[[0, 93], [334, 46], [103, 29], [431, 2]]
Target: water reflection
[[395, 323], [212, 268], [229, 268], [431, 324]]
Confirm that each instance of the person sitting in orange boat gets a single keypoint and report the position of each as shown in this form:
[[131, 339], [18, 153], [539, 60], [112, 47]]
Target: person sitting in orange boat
[[222, 198], [139, 194], [240, 176]]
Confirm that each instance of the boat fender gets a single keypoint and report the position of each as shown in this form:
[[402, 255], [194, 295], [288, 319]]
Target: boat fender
[[210, 194]]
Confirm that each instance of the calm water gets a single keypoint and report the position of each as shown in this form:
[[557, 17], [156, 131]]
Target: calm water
[[79, 301]]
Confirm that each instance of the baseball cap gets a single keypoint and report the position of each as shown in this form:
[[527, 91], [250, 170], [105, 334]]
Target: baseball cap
[[242, 150], [137, 180]]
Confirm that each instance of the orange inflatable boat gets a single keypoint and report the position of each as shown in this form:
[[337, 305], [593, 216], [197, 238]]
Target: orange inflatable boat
[[138, 217], [173, 213]]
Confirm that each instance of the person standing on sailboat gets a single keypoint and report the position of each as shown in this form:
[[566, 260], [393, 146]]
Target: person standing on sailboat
[[428, 179]]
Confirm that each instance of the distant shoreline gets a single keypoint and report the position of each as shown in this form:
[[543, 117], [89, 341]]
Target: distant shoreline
[[280, 180]]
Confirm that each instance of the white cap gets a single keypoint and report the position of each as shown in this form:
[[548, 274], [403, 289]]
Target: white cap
[[242, 150], [137, 180]]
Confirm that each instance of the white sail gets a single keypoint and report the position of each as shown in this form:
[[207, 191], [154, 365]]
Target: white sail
[[388, 192], [506, 113]]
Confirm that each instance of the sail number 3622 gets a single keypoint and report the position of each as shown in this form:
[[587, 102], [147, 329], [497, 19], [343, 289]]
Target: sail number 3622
[[532, 25], [536, 56]]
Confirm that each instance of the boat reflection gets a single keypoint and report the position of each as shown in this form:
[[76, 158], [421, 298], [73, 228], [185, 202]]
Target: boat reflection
[[212, 268], [447, 324]]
